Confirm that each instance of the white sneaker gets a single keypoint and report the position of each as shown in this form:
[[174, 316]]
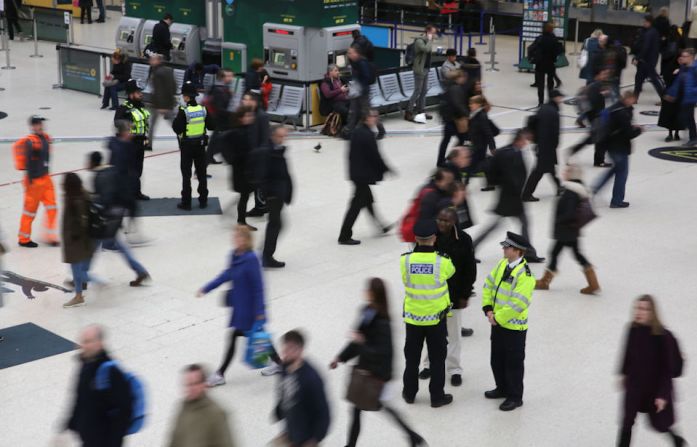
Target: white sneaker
[[420, 118], [271, 370], [215, 379]]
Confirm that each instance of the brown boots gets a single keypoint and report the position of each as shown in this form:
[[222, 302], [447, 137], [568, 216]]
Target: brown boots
[[593, 285], [543, 284]]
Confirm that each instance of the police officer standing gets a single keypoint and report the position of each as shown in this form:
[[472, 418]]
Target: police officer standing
[[190, 125], [425, 275], [134, 111], [505, 300]]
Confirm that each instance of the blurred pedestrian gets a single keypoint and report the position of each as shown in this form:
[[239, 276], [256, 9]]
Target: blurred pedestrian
[[101, 417], [646, 52], [364, 44], [567, 229], [260, 140], [12, 16], [363, 76], [423, 47], [252, 78], [372, 344], [132, 111], [620, 133], [454, 112], [78, 245], [683, 95], [302, 402], [245, 296], [651, 361], [481, 134], [548, 48], [200, 421], [162, 99], [116, 80], [506, 298], [238, 145], [508, 172], [196, 74], [591, 46], [162, 38], [592, 98], [218, 104], [547, 128], [366, 168]]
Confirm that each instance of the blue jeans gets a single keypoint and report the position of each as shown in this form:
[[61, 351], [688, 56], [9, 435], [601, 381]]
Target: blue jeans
[[102, 11], [115, 244], [112, 93], [620, 170], [80, 274]]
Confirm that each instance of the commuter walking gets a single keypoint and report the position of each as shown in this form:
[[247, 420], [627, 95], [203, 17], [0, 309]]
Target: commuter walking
[[110, 195], [454, 112], [32, 155], [567, 229], [546, 132], [423, 47], [481, 133], [508, 171], [162, 38], [252, 78], [372, 344], [260, 139], [190, 125], [366, 168], [651, 361], [426, 306], [78, 245], [162, 99], [246, 298], [200, 421], [133, 111], [592, 48], [592, 98], [118, 77], [620, 131], [217, 104], [457, 245], [101, 417], [546, 50], [364, 44], [302, 402], [363, 76], [684, 93], [12, 16], [425, 205], [646, 52], [238, 146], [506, 298], [277, 186]]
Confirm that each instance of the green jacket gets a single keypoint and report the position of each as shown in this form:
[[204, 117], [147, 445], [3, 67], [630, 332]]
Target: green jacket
[[422, 49], [201, 423]]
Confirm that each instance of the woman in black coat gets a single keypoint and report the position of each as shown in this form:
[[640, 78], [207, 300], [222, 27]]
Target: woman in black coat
[[372, 344], [481, 136], [650, 362], [668, 117], [567, 231], [238, 145]]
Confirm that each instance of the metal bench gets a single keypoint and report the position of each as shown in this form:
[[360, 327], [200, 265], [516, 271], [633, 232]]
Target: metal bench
[[290, 105], [406, 79], [434, 85], [179, 79], [390, 88], [274, 97], [238, 91], [377, 101], [208, 81]]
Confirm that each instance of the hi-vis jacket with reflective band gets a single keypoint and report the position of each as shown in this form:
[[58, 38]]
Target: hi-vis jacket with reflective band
[[195, 121], [140, 119], [509, 297], [425, 276]]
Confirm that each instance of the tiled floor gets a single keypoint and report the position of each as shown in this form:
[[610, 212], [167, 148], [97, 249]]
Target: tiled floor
[[572, 397]]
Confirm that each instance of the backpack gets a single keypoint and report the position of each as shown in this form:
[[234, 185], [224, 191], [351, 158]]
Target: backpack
[[584, 213], [406, 230], [137, 393], [103, 222], [332, 127], [410, 54]]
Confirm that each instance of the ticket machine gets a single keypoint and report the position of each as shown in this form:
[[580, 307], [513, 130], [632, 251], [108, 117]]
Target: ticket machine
[[186, 43], [337, 40], [128, 35]]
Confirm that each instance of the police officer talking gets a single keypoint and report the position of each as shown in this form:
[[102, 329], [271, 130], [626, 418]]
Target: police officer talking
[[134, 110], [505, 300], [425, 275], [190, 125]]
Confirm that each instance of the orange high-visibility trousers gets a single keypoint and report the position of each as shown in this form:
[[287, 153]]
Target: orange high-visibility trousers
[[38, 190]]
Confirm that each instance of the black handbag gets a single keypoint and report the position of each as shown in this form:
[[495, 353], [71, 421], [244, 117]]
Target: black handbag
[[364, 390]]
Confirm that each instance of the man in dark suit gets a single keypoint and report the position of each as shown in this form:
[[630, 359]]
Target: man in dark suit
[[548, 48], [508, 171], [546, 133], [646, 57], [161, 38], [366, 167]]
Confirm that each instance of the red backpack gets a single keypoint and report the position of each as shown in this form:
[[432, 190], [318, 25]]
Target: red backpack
[[407, 227]]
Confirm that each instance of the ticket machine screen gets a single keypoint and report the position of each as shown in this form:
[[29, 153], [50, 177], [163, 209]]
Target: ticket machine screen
[[279, 59], [124, 35], [176, 42], [341, 60], [148, 39]]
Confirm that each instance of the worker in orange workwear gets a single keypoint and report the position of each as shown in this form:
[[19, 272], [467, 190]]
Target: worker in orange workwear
[[32, 155]]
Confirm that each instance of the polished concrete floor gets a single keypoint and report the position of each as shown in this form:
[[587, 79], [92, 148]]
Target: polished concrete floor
[[572, 396]]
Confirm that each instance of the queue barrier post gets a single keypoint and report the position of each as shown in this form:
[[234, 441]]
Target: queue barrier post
[[36, 35]]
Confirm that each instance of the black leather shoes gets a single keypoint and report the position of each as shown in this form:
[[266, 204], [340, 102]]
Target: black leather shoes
[[456, 380], [446, 400], [534, 259], [349, 241], [425, 374], [256, 212], [184, 206], [510, 405], [407, 399], [530, 199], [273, 264], [466, 332], [494, 394]]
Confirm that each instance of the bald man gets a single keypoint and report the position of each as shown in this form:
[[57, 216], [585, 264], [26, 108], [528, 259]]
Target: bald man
[[100, 417]]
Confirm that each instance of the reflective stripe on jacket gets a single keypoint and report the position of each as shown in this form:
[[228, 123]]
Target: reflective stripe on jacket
[[509, 297], [425, 277]]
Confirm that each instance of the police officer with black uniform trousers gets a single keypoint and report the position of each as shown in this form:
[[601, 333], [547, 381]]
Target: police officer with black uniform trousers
[[190, 125], [134, 111]]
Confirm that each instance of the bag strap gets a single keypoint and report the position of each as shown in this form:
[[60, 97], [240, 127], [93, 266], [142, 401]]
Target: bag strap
[[101, 381]]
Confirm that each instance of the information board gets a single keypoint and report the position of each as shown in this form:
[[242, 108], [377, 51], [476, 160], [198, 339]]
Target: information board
[[190, 12], [535, 14], [81, 70]]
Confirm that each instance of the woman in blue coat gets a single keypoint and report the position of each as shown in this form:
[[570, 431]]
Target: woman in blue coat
[[245, 297]]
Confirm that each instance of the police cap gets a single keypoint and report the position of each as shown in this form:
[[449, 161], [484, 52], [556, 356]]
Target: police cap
[[515, 241], [188, 89], [425, 228], [132, 86]]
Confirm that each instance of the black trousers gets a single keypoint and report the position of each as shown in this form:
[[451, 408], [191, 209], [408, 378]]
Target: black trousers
[[362, 198], [449, 131], [599, 150], [273, 228], [356, 426], [524, 230], [643, 71], [12, 23], [540, 81], [214, 146], [436, 338], [193, 153], [508, 361], [342, 108], [242, 208], [138, 160], [559, 246], [86, 12], [535, 177]]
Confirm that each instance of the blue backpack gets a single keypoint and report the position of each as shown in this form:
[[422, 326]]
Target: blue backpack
[[137, 394]]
